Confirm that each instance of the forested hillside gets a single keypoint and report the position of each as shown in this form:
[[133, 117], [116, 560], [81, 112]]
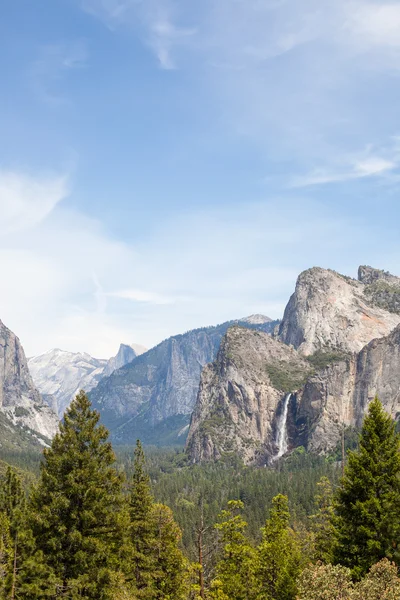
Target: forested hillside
[[95, 528]]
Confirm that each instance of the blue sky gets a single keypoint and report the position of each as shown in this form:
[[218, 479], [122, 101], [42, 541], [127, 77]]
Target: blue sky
[[168, 164]]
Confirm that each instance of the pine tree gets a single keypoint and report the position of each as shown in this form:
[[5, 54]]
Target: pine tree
[[13, 505], [235, 571], [171, 568], [141, 529], [6, 554], [76, 509], [12, 496], [367, 505], [279, 557], [322, 527]]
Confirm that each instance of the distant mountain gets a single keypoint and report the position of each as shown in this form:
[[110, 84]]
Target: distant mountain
[[125, 355], [59, 375], [153, 396], [21, 405]]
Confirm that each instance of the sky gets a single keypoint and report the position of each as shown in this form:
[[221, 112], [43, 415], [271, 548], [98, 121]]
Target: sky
[[170, 164]]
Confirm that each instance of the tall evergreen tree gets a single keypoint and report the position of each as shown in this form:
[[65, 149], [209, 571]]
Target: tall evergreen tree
[[322, 528], [171, 568], [279, 557], [141, 529], [13, 506], [12, 496], [235, 571], [76, 509], [367, 504], [6, 554]]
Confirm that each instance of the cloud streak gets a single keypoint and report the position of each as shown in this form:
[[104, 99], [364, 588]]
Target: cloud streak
[[360, 169], [66, 283], [26, 200], [52, 65]]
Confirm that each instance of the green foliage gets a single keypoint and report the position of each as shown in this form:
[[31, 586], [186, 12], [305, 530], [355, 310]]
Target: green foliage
[[328, 582], [279, 555], [141, 531], [325, 582], [170, 577], [323, 358], [12, 498], [77, 514], [6, 554], [321, 522], [180, 485], [286, 376], [236, 570], [383, 294], [367, 503], [381, 583], [156, 566], [19, 446]]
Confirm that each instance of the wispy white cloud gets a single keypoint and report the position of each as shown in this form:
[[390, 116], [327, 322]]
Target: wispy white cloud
[[67, 283], [53, 63], [374, 24], [143, 296], [164, 36], [373, 162], [153, 20], [374, 166], [26, 200]]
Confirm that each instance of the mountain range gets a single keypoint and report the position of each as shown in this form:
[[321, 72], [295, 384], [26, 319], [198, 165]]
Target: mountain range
[[253, 386], [153, 396], [59, 375]]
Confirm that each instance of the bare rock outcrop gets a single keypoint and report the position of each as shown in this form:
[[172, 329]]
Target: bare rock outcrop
[[339, 395], [20, 401], [241, 396], [331, 311], [337, 347]]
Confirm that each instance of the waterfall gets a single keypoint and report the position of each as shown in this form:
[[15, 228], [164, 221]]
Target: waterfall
[[282, 433]]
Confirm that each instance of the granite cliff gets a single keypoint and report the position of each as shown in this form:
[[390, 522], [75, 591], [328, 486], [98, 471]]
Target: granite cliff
[[20, 402], [339, 394], [343, 336], [328, 310], [242, 395], [153, 396]]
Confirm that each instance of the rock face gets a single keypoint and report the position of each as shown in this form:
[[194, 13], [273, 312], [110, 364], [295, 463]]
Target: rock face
[[59, 375], [339, 395], [159, 388], [328, 310], [369, 275], [125, 355], [344, 339], [242, 396], [20, 401]]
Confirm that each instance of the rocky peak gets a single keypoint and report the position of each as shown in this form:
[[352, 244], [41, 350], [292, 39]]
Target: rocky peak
[[125, 355], [60, 374], [242, 395], [331, 311], [256, 319], [20, 401], [368, 275]]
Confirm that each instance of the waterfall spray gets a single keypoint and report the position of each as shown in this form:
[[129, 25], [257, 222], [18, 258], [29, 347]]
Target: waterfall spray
[[282, 439]]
